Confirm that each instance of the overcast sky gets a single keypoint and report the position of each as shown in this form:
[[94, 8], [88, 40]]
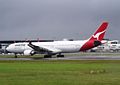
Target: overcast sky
[[57, 19]]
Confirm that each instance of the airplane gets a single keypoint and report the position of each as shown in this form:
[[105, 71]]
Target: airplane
[[59, 47]]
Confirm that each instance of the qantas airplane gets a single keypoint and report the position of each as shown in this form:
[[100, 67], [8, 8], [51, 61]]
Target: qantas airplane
[[59, 47]]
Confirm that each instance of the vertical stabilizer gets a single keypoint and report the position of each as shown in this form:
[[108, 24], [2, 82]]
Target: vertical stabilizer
[[96, 38], [100, 32]]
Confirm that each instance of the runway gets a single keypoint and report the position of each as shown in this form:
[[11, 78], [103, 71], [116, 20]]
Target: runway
[[69, 58], [87, 58]]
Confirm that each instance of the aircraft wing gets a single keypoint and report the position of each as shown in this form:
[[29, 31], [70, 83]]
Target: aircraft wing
[[43, 48]]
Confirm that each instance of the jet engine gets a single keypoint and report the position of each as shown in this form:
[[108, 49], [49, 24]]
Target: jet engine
[[29, 52]]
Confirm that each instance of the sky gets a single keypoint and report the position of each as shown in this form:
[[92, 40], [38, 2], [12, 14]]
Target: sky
[[57, 19]]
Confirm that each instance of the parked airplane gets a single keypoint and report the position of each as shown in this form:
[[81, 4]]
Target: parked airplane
[[59, 47]]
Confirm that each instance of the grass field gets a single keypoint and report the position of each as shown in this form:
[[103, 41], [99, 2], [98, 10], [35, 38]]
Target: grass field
[[44, 72]]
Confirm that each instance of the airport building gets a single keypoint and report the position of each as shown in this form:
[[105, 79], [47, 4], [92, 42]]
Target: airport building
[[108, 46]]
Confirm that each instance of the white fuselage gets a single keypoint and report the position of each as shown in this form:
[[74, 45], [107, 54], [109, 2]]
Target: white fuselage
[[63, 46]]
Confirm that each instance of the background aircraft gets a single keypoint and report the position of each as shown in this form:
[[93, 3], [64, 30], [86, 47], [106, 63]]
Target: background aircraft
[[59, 47]]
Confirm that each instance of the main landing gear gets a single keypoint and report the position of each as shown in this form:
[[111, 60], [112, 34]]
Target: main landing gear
[[47, 56], [50, 56], [60, 55]]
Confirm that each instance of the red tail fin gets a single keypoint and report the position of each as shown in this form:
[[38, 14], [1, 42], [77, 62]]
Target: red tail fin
[[96, 38], [99, 34]]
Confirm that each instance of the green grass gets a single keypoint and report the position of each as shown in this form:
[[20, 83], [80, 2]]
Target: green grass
[[44, 72]]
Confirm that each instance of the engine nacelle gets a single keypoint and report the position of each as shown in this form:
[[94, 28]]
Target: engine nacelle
[[29, 52]]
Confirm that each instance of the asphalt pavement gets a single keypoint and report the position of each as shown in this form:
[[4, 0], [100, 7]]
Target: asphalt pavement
[[70, 58]]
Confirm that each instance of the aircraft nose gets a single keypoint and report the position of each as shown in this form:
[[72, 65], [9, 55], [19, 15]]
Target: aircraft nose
[[8, 48]]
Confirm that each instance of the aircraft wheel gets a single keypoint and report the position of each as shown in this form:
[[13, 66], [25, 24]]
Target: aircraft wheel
[[60, 55], [15, 55], [47, 56]]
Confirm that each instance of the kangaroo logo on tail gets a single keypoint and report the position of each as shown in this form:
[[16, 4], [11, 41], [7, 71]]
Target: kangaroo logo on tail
[[99, 34], [96, 36]]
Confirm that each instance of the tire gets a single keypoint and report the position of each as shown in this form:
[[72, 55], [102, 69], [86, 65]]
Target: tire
[[47, 56], [60, 56], [15, 55]]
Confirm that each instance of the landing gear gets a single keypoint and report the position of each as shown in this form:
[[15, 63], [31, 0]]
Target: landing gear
[[15, 55], [47, 56], [60, 55], [50, 56]]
